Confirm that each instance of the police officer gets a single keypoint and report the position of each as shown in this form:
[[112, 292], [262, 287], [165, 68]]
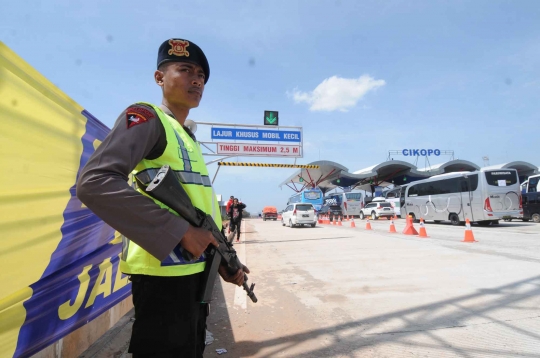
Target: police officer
[[169, 321]]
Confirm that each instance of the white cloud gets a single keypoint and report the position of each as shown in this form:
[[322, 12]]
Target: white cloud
[[336, 93]]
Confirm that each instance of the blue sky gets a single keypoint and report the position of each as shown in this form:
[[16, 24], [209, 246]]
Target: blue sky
[[459, 75]]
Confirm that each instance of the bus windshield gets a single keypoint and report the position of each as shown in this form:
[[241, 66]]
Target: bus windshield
[[501, 177], [353, 196], [312, 194]]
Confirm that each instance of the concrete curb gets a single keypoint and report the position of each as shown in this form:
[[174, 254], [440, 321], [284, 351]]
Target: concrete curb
[[115, 342]]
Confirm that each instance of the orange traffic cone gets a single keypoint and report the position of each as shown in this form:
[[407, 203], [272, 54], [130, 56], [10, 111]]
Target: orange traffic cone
[[469, 237], [368, 225], [422, 229], [347, 219], [339, 222], [333, 220], [352, 222], [409, 228], [392, 226]]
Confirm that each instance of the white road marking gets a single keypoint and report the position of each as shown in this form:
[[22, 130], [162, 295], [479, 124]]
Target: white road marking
[[240, 297]]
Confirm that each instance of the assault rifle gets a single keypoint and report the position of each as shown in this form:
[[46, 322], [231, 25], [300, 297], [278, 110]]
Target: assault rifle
[[166, 188]]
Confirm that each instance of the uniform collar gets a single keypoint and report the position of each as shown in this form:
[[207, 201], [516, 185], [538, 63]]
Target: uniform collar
[[168, 112]]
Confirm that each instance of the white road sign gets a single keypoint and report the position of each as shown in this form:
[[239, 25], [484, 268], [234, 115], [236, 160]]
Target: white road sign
[[270, 150]]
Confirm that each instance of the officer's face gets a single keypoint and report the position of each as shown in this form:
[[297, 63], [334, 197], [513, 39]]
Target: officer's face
[[182, 83]]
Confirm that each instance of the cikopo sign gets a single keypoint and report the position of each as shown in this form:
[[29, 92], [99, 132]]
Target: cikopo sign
[[421, 152]]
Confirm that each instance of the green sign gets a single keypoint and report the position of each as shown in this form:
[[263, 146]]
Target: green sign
[[271, 118]]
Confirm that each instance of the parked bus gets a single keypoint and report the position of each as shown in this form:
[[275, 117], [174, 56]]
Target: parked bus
[[350, 203], [483, 197], [395, 196], [313, 196]]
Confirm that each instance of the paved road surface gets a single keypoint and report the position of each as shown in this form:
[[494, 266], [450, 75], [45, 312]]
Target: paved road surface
[[341, 292]]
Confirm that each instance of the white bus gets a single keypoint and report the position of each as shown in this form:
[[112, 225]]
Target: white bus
[[483, 197], [350, 203], [312, 196], [395, 197]]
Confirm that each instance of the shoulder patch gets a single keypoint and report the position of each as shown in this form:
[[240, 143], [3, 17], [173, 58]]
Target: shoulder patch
[[137, 115]]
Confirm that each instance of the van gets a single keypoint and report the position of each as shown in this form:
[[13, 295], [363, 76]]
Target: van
[[299, 214], [531, 207], [334, 212]]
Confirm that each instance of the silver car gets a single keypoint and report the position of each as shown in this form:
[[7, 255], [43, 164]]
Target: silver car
[[299, 214], [377, 209]]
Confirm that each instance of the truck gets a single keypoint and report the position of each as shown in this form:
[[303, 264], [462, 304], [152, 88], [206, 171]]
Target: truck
[[269, 213]]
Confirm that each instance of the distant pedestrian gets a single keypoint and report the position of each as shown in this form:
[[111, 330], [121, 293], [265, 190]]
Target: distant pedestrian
[[235, 214], [229, 203]]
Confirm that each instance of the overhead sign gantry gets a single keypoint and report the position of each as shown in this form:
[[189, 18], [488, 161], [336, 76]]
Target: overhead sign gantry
[[247, 140], [231, 140]]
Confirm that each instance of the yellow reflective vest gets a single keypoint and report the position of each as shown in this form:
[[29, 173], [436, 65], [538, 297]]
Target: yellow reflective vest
[[184, 156]]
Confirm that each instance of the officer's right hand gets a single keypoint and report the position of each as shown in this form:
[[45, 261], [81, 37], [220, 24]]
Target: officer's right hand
[[196, 240]]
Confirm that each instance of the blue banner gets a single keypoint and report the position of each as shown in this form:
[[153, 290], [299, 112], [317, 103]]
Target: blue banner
[[256, 135]]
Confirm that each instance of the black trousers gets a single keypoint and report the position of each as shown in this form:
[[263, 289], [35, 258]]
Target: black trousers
[[236, 225], [169, 321]]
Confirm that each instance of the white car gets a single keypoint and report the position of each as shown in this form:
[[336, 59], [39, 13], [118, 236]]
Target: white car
[[299, 214], [376, 209]]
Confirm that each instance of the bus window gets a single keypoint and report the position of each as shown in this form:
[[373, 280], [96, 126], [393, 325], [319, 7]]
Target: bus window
[[353, 196], [501, 177], [394, 193], [473, 182], [402, 193], [464, 186], [470, 183]]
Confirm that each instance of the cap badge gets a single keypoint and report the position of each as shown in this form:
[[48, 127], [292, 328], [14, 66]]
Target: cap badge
[[178, 47]]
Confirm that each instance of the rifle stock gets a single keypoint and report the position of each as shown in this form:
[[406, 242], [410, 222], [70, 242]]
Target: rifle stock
[[167, 189]]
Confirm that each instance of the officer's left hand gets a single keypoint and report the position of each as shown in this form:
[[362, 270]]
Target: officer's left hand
[[236, 278]]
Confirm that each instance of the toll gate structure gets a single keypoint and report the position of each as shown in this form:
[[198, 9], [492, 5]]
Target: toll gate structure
[[332, 175]]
